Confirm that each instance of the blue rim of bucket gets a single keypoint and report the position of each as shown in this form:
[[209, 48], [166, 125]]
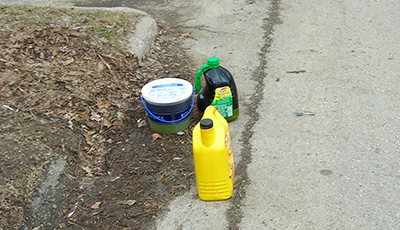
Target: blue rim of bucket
[[174, 121]]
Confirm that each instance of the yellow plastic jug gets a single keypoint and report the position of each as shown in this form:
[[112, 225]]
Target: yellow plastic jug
[[213, 156]]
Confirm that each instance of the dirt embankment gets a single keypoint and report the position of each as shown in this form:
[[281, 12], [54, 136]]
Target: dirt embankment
[[69, 92]]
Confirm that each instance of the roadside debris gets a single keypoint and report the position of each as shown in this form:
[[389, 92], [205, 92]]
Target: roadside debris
[[129, 202], [300, 112], [96, 205], [155, 136], [180, 133], [141, 123], [8, 107], [296, 71]]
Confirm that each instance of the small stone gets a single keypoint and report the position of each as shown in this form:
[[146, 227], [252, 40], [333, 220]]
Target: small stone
[[180, 133]]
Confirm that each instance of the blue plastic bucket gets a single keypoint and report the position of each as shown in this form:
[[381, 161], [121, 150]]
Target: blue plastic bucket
[[169, 103]]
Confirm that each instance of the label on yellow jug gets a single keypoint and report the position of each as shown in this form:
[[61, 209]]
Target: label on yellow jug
[[230, 156], [223, 101]]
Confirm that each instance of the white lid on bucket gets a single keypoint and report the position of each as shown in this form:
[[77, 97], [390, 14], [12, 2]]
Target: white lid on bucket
[[167, 91]]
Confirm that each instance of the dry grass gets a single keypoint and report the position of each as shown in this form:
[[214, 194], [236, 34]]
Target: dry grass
[[112, 26]]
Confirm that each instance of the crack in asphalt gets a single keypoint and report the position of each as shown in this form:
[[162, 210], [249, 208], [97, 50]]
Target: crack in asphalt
[[234, 213]]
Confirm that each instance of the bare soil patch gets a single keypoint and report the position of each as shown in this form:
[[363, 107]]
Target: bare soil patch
[[68, 89]]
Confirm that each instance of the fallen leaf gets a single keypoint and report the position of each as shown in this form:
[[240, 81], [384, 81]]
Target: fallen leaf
[[115, 178], [96, 205], [73, 210], [70, 125], [74, 73], [88, 139], [129, 202], [156, 136], [87, 170], [69, 61], [100, 67], [82, 158], [85, 115], [120, 115], [141, 123], [106, 123], [96, 117], [102, 105]]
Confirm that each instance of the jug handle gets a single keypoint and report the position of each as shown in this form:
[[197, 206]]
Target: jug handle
[[219, 116], [212, 63], [197, 83]]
